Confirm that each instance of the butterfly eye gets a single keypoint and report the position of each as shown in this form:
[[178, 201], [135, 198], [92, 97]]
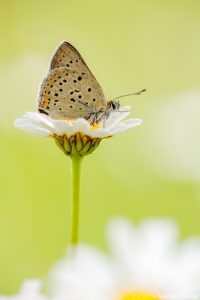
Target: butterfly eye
[[113, 105]]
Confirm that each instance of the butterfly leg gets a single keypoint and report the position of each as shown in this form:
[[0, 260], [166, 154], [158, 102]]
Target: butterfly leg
[[103, 116], [92, 119]]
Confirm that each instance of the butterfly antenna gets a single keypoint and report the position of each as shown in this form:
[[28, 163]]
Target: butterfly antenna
[[131, 94]]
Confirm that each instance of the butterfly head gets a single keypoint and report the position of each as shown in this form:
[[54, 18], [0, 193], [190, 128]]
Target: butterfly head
[[113, 105]]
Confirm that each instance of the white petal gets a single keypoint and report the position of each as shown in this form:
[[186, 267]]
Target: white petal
[[41, 124], [39, 119], [35, 123], [125, 125], [30, 290], [31, 287], [152, 258], [117, 116], [81, 125], [87, 275], [61, 127], [133, 122], [26, 125]]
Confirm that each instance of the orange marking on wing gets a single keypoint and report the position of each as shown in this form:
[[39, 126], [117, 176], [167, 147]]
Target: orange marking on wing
[[45, 102]]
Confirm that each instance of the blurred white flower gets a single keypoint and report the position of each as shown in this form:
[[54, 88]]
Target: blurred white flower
[[146, 263], [30, 65], [30, 290], [175, 138]]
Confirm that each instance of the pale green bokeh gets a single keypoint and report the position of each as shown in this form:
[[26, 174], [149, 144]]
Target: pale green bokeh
[[128, 45]]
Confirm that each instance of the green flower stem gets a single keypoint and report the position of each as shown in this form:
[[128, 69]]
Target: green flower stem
[[75, 203]]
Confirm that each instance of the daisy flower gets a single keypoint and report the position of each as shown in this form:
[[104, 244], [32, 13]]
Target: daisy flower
[[146, 263], [76, 136]]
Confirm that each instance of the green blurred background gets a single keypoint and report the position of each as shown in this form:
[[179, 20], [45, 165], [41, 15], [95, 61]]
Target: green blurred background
[[150, 171]]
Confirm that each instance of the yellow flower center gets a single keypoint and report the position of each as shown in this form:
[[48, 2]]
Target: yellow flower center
[[139, 296], [95, 126]]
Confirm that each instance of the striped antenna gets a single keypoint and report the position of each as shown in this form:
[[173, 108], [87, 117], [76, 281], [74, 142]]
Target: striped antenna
[[131, 94]]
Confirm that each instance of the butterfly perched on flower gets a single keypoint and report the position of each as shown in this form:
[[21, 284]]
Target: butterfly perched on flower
[[70, 90]]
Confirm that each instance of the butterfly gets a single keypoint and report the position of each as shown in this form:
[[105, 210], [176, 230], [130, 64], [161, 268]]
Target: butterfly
[[71, 91]]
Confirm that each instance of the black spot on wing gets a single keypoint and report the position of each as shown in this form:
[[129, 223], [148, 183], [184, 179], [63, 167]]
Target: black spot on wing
[[43, 111]]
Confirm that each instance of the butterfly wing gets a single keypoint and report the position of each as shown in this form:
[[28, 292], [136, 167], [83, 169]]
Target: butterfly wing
[[66, 93], [66, 56]]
